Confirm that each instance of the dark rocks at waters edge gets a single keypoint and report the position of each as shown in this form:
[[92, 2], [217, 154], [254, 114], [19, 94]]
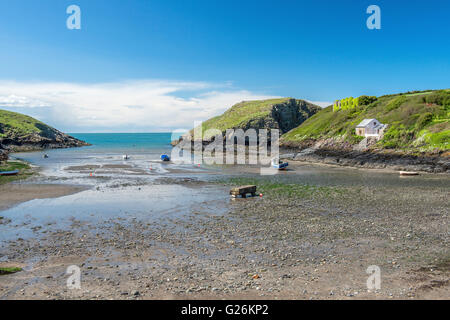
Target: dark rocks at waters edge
[[48, 139], [431, 163]]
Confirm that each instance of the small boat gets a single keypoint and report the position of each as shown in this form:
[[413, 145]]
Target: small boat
[[279, 164], [45, 156], [165, 157], [408, 173], [126, 157], [9, 173]]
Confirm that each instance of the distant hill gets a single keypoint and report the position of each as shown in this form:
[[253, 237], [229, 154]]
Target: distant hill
[[417, 121], [19, 132], [283, 114]]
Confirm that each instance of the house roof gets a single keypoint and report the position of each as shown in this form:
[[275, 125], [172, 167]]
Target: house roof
[[365, 122]]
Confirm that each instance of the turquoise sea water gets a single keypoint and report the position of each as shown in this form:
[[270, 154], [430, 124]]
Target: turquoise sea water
[[105, 148], [115, 188], [126, 142]]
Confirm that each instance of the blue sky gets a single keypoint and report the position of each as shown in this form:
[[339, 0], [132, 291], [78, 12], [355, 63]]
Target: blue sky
[[201, 56]]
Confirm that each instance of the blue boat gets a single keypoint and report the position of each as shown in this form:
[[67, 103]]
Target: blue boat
[[279, 164], [165, 157], [9, 173]]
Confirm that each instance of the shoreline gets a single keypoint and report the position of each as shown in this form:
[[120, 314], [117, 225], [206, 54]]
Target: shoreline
[[18, 189], [317, 247], [368, 160], [13, 194], [300, 240]]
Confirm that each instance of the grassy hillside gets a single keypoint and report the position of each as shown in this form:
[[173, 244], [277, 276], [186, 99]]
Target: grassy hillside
[[14, 124], [242, 113], [19, 132], [279, 113], [418, 120]]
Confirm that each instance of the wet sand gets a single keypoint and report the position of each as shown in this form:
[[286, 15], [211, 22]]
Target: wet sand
[[13, 194], [311, 236]]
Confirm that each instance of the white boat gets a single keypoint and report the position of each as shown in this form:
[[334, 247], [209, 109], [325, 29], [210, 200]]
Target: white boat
[[279, 164], [408, 173]]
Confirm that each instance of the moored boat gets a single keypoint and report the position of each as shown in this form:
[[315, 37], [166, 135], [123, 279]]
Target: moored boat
[[408, 173], [279, 164], [9, 173], [165, 157]]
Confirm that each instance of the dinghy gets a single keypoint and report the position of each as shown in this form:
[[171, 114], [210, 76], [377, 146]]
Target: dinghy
[[165, 157], [279, 164], [9, 173], [408, 173]]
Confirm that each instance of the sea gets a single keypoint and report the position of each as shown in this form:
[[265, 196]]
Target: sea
[[145, 188], [142, 187], [106, 150]]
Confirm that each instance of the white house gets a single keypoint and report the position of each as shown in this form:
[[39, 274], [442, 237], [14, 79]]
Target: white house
[[370, 128]]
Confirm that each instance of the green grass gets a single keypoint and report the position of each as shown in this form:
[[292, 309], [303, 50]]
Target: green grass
[[240, 114], [13, 124], [4, 271], [272, 187], [25, 171], [417, 121], [246, 114]]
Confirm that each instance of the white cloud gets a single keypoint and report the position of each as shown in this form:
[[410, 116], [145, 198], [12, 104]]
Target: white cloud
[[128, 106]]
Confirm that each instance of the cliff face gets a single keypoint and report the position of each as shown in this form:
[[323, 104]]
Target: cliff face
[[22, 133], [292, 113], [283, 114]]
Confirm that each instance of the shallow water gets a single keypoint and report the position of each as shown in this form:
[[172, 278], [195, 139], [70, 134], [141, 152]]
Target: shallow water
[[145, 188]]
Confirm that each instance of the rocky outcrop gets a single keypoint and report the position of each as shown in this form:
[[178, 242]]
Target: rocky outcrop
[[285, 115], [340, 154], [48, 139], [292, 113], [19, 132]]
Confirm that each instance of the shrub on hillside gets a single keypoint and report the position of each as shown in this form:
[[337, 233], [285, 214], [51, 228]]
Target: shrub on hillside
[[441, 98], [395, 103], [424, 120], [366, 100]]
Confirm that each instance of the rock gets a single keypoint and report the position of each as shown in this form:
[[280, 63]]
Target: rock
[[3, 155], [284, 115]]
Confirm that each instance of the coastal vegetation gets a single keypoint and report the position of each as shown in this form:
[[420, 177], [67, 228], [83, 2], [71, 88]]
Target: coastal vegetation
[[283, 114], [274, 187], [25, 171], [416, 121], [4, 271], [20, 132], [14, 124]]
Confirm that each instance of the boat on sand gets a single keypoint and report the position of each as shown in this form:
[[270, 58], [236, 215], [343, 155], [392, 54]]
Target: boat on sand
[[9, 173], [408, 173]]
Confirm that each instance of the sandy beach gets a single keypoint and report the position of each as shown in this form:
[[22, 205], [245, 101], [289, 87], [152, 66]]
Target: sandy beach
[[12, 194], [312, 235]]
